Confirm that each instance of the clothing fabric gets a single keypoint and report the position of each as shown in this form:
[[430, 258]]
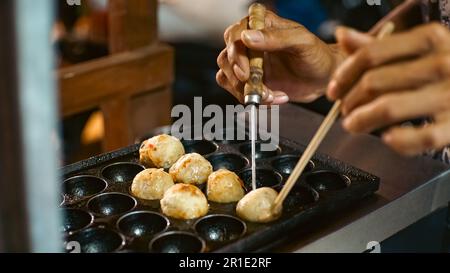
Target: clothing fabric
[[438, 10]]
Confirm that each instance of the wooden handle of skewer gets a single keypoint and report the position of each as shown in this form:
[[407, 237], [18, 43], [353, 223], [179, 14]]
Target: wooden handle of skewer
[[387, 29], [256, 21]]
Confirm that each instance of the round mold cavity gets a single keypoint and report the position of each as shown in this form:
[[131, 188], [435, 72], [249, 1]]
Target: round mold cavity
[[177, 242], [83, 186], [231, 136], [157, 131], [323, 181], [285, 164], [246, 149], [203, 147], [142, 224], [122, 172], [231, 162], [220, 228], [127, 250], [264, 178], [75, 220], [97, 240], [110, 204], [300, 196]]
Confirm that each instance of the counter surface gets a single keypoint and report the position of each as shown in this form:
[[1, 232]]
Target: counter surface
[[410, 188]]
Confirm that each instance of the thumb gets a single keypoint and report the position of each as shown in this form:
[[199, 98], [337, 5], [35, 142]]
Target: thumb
[[274, 97], [277, 39], [351, 40]]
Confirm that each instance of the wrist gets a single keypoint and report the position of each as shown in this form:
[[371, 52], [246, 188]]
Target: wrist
[[338, 56], [335, 58]]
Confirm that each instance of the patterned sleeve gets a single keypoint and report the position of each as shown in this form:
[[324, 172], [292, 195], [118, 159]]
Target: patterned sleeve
[[437, 10], [443, 155], [444, 8]]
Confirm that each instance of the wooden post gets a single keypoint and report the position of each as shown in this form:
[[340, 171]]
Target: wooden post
[[132, 24], [116, 113], [29, 186], [130, 85], [13, 216]]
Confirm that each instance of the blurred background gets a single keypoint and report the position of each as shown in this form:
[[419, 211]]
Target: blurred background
[[121, 66], [194, 29]]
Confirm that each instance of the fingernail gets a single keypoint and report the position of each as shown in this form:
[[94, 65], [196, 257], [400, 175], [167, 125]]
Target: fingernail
[[340, 30], [351, 32], [387, 137], [269, 98], [346, 123], [281, 99], [331, 90], [347, 30], [254, 36]]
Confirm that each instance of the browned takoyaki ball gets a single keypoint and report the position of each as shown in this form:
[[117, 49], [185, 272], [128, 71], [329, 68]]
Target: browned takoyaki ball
[[258, 206], [224, 186], [151, 184], [161, 151], [184, 201], [191, 169]]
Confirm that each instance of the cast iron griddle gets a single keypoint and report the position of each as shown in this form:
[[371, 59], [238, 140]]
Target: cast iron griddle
[[102, 216]]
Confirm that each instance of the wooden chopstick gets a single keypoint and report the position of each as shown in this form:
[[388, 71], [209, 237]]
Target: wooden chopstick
[[386, 30]]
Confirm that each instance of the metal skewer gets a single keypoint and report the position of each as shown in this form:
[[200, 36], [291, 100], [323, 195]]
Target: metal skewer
[[253, 90]]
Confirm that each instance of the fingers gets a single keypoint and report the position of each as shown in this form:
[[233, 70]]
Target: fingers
[[413, 141], [278, 34], [227, 78], [234, 63], [351, 40], [236, 50], [419, 41], [279, 97], [270, 97], [273, 97], [399, 76], [270, 40], [223, 82], [225, 66], [392, 108], [272, 20]]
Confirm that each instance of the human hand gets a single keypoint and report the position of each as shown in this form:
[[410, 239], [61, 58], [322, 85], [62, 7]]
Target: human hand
[[401, 77], [297, 64]]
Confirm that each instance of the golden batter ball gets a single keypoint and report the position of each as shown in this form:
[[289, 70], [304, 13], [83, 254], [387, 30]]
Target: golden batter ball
[[224, 186], [191, 169], [257, 206], [161, 151], [151, 184], [184, 201]]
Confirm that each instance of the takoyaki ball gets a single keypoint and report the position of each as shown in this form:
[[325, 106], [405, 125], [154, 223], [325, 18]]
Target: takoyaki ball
[[151, 184], [161, 151], [258, 206], [184, 201], [224, 186], [191, 169]]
